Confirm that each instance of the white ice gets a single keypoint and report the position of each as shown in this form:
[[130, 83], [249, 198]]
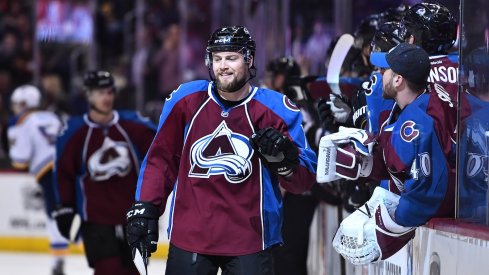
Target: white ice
[[40, 264]]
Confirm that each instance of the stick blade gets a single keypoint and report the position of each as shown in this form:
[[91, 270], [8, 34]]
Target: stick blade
[[345, 42]]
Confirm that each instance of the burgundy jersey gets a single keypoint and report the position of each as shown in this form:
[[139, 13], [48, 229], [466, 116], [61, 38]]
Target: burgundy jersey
[[443, 81], [414, 147], [97, 166], [225, 201]]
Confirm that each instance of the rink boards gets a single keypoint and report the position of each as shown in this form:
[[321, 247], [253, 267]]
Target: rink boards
[[445, 245], [23, 220]]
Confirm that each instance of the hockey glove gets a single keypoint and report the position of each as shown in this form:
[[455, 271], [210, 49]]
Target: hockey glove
[[142, 233], [359, 104], [354, 195], [277, 151], [326, 116], [68, 222], [370, 233], [340, 108], [345, 154]]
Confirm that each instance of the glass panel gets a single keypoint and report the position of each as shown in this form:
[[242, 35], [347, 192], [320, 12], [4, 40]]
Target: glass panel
[[473, 169]]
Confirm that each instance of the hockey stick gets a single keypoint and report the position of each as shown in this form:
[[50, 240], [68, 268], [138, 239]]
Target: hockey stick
[[338, 56], [75, 227], [140, 262]]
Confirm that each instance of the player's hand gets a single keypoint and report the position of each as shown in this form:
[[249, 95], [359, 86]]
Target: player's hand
[[359, 104], [142, 230], [340, 108], [277, 151], [68, 222], [326, 116]]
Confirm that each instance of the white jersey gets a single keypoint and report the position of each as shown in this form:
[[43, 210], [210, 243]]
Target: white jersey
[[32, 141]]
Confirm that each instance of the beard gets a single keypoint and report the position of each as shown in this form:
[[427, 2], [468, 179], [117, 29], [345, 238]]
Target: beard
[[388, 91], [232, 86]]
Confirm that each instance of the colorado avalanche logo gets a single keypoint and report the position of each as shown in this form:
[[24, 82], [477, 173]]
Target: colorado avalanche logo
[[221, 153], [109, 160], [408, 132], [289, 104]]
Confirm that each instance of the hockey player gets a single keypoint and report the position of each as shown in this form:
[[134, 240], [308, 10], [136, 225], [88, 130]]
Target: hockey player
[[98, 156], [223, 147], [32, 136], [434, 29], [410, 147]]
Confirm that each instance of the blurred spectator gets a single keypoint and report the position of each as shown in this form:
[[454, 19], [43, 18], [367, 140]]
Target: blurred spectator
[[144, 73], [298, 45], [167, 60], [55, 97], [316, 48]]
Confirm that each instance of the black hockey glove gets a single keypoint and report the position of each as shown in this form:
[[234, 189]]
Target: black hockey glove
[[326, 116], [142, 231], [68, 222], [359, 104], [277, 151], [355, 195]]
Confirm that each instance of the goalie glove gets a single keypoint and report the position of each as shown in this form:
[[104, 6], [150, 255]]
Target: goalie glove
[[277, 151], [142, 233], [345, 154], [370, 233], [68, 223]]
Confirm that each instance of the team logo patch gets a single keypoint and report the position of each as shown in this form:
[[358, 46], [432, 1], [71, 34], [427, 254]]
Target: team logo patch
[[408, 132], [112, 159], [289, 104], [221, 153]]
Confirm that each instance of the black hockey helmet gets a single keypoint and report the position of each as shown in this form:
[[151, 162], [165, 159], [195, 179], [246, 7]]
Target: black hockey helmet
[[284, 65], [395, 14], [98, 79], [366, 29], [389, 35], [293, 86], [433, 26], [232, 39]]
